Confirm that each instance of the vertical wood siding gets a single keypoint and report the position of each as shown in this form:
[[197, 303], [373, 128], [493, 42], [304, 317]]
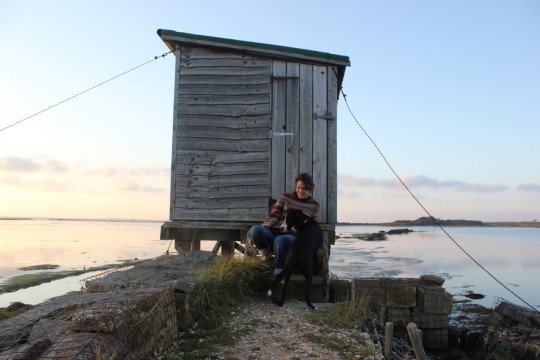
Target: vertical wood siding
[[221, 158], [320, 139], [306, 116], [302, 96], [292, 143], [332, 145], [279, 124]]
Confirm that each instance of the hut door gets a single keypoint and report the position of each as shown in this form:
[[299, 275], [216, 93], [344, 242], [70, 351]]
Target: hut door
[[285, 126], [304, 102]]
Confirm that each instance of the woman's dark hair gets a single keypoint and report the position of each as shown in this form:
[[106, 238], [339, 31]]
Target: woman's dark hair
[[306, 179]]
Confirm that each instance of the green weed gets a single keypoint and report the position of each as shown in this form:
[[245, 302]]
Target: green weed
[[225, 283], [347, 314], [14, 309]]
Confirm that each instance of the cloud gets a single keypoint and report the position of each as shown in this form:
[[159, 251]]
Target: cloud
[[153, 170], [422, 180], [55, 166], [131, 179], [11, 180], [42, 174], [529, 187], [104, 171], [350, 193], [16, 164], [132, 186], [352, 181], [108, 171], [46, 184], [49, 184], [347, 181], [20, 164]]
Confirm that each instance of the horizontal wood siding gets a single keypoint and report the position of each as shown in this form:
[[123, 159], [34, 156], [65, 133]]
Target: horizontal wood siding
[[222, 152], [175, 124]]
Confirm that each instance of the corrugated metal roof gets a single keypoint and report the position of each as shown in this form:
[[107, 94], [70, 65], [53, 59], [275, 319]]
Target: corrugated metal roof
[[171, 38]]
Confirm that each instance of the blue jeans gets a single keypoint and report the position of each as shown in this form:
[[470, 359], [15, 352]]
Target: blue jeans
[[264, 239]]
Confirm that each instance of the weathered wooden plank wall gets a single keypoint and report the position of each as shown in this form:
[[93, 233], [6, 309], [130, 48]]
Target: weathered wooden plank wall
[[320, 139], [279, 124], [306, 114], [304, 106], [230, 153], [332, 145], [221, 151], [292, 142]]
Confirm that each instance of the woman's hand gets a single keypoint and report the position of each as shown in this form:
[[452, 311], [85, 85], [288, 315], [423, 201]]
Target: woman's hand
[[251, 244]]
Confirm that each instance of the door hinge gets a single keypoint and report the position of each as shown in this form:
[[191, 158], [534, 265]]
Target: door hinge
[[324, 116], [277, 133]]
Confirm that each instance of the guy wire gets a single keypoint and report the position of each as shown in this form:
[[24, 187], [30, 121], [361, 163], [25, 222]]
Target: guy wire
[[427, 212], [85, 91]]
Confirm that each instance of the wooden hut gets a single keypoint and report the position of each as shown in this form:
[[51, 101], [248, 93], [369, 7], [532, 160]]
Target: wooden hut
[[248, 118]]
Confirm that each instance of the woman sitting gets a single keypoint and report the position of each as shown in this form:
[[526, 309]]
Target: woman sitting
[[270, 235]]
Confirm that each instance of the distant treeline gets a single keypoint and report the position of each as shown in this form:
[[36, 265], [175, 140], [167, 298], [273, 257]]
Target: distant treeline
[[428, 221]]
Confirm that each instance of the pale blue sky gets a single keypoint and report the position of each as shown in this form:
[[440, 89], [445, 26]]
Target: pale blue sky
[[448, 90]]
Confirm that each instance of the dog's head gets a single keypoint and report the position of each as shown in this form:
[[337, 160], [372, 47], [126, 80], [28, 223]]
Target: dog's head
[[295, 217]]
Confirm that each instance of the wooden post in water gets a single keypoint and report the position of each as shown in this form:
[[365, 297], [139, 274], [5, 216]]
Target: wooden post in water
[[416, 340], [388, 337]]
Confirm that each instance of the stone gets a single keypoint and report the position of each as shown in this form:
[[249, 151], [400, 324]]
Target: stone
[[401, 296], [434, 300], [431, 280]]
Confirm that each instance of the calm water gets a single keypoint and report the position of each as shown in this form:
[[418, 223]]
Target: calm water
[[73, 245], [510, 254]]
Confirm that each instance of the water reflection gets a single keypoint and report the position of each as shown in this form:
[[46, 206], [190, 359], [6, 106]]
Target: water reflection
[[510, 254], [43, 292], [72, 245]]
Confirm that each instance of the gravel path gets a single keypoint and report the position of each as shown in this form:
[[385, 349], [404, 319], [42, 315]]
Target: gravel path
[[262, 330]]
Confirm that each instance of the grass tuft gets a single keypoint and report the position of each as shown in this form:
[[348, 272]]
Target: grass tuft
[[14, 309], [218, 291], [225, 283], [350, 314], [354, 346], [347, 314]]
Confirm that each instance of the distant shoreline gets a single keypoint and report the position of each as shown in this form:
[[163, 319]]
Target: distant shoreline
[[15, 218], [424, 221]]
